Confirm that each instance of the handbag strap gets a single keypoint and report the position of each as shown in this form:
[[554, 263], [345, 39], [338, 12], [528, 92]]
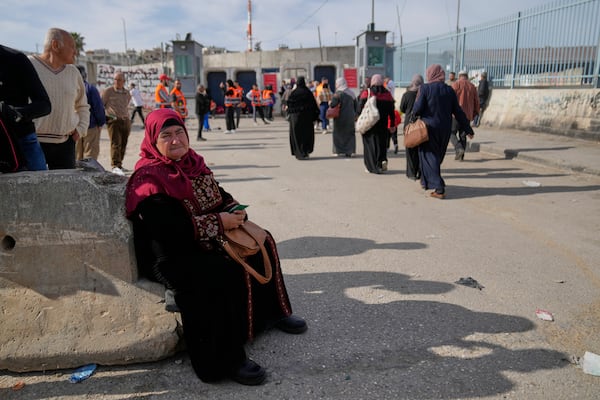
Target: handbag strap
[[266, 260]]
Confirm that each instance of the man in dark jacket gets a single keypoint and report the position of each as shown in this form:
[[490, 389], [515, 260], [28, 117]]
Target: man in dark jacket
[[483, 90], [22, 98], [89, 145], [202, 108]]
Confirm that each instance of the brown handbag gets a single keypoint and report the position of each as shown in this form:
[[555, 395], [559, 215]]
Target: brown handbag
[[333, 112], [415, 133], [244, 241]]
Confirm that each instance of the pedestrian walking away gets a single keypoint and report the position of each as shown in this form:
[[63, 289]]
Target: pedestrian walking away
[[138, 103], [436, 104], [303, 112], [344, 135], [468, 100], [413, 171], [375, 140]]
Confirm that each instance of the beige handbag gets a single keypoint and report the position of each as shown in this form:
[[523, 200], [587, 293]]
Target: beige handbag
[[368, 116], [415, 133]]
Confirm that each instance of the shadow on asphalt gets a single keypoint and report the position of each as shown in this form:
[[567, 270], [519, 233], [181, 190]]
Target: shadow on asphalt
[[326, 246], [369, 337], [363, 324]]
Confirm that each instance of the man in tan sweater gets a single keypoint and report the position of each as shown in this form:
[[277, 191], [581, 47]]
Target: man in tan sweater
[[116, 99], [70, 115]]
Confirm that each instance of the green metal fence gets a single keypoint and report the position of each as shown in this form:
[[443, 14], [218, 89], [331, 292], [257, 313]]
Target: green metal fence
[[556, 44]]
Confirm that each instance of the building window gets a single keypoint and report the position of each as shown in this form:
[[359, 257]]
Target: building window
[[375, 58], [183, 65]]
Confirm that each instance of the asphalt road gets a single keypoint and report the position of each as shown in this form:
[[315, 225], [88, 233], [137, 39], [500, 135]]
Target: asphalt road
[[371, 262]]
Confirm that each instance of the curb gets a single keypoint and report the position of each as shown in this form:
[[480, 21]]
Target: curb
[[516, 155]]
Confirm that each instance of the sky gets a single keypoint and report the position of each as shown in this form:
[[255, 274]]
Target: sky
[[145, 24]]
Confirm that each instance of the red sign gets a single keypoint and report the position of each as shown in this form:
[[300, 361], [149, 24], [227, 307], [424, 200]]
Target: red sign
[[350, 74], [270, 79]]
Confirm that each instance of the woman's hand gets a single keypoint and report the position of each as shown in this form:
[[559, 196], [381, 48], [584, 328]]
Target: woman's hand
[[232, 220]]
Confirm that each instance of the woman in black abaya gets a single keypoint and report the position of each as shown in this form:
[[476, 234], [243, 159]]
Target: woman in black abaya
[[303, 112]]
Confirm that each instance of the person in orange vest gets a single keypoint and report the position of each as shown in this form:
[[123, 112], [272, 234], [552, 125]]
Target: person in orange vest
[[268, 100], [255, 97], [239, 93], [178, 101], [232, 101], [161, 93]]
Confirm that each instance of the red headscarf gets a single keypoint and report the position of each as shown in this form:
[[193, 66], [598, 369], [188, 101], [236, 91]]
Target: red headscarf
[[435, 73], [156, 173]]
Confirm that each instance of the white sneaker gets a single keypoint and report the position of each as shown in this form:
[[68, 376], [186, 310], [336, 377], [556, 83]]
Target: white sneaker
[[227, 131], [233, 131], [118, 171]]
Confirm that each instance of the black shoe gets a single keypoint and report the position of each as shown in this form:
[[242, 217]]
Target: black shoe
[[249, 373], [396, 149], [292, 324]]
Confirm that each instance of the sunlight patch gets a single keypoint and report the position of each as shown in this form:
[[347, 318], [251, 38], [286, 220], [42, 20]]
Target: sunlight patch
[[461, 352], [373, 294]]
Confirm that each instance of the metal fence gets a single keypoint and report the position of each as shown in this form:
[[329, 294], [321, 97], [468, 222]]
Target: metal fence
[[556, 44]]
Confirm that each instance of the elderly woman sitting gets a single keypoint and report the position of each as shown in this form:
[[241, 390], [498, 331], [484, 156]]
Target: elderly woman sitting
[[179, 214]]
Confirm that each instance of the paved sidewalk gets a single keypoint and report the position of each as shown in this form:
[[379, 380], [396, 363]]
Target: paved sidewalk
[[557, 151]]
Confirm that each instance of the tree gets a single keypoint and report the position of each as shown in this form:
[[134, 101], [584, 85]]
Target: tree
[[79, 42]]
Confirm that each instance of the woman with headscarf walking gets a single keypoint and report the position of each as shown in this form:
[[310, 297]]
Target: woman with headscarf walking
[[406, 106], [344, 135], [303, 112], [375, 140], [436, 104]]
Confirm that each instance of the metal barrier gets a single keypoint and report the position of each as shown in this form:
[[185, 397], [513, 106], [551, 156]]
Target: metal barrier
[[556, 44]]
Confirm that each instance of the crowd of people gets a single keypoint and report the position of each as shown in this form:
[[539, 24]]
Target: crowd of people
[[179, 212]]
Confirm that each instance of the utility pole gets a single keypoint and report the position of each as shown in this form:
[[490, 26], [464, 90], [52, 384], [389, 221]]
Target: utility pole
[[125, 37], [320, 46], [249, 30], [456, 64]]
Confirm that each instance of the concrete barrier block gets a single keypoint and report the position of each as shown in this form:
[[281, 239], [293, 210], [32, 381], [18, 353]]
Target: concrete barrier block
[[56, 225], [69, 290]]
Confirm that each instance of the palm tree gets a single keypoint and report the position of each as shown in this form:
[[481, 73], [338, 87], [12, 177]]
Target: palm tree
[[79, 42]]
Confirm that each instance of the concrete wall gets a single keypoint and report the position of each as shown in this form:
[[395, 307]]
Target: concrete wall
[[571, 112]]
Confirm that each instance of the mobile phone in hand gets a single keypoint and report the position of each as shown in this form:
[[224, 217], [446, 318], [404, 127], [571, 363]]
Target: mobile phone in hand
[[237, 207]]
